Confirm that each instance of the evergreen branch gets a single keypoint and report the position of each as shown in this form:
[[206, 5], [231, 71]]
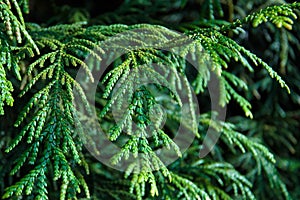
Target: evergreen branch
[[12, 24], [280, 15], [6, 90], [50, 121]]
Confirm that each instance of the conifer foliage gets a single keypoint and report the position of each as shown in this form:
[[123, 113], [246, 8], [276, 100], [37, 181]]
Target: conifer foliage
[[48, 140]]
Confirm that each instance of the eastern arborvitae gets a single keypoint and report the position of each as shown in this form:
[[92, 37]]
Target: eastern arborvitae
[[146, 52]]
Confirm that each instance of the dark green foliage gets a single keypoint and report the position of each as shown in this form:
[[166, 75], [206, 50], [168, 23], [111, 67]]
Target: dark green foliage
[[43, 154]]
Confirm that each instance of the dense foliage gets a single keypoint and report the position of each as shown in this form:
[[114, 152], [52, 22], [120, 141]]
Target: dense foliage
[[246, 53]]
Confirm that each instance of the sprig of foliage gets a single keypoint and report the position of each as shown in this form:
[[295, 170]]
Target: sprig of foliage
[[14, 28], [52, 124]]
